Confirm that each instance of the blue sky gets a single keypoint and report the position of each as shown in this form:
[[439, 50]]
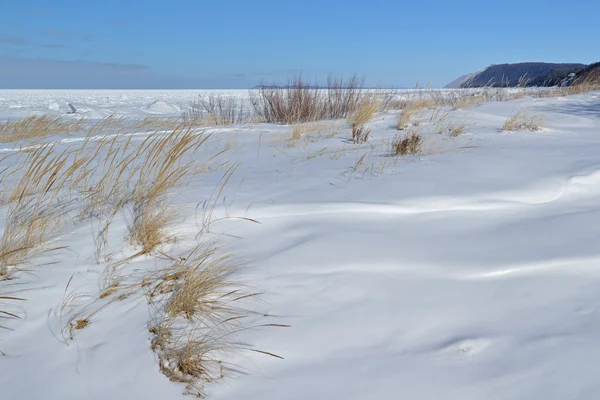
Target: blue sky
[[238, 44]]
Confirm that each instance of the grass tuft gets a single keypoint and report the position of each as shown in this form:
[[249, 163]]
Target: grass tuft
[[300, 101], [360, 134], [215, 109], [407, 144], [457, 128], [521, 121], [410, 111], [203, 311]]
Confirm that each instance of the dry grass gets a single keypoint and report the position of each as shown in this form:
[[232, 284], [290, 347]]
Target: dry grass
[[197, 284], [579, 88], [301, 132], [27, 229], [404, 120], [215, 109], [42, 172], [43, 186], [457, 99], [34, 210], [7, 313], [342, 97], [467, 100], [37, 127], [299, 101], [112, 122], [156, 123], [407, 144], [166, 163], [97, 177], [297, 134], [363, 112], [411, 110], [202, 311], [457, 128], [34, 127], [4, 314], [150, 225], [360, 134], [522, 121]]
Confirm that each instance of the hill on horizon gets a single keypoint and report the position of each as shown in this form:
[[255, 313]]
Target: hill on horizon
[[526, 73]]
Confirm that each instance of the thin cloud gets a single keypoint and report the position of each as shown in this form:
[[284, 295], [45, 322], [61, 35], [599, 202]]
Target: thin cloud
[[48, 73], [54, 46], [71, 35], [38, 73], [15, 41], [22, 42], [13, 53]]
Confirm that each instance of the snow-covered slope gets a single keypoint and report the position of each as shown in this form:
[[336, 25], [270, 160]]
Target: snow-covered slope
[[461, 80], [470, 272]]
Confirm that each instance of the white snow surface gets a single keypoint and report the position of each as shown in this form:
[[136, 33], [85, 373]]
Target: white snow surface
[[471, 272]]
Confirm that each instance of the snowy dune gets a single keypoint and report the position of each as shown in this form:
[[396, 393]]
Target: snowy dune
[[468, 272]]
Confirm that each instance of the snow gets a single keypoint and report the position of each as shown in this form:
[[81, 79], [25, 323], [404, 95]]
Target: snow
[[470, 272], [101, 103]]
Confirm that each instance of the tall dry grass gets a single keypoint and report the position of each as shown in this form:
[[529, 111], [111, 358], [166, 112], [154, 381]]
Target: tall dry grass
[[112, 122], [200, 308], [363, 112], [345, 96], [215, 109], [28, 227], [37, 127], [35, 210], [300, 101], [93, 179], [166, 162]]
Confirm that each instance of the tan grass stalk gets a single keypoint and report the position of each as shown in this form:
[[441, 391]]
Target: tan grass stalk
[[411, 110], [37, 127], [457, 128], [363, 112], [360, 134], [299, 101], [521, 121], [302, 132], [165, 165], [407, 144]]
